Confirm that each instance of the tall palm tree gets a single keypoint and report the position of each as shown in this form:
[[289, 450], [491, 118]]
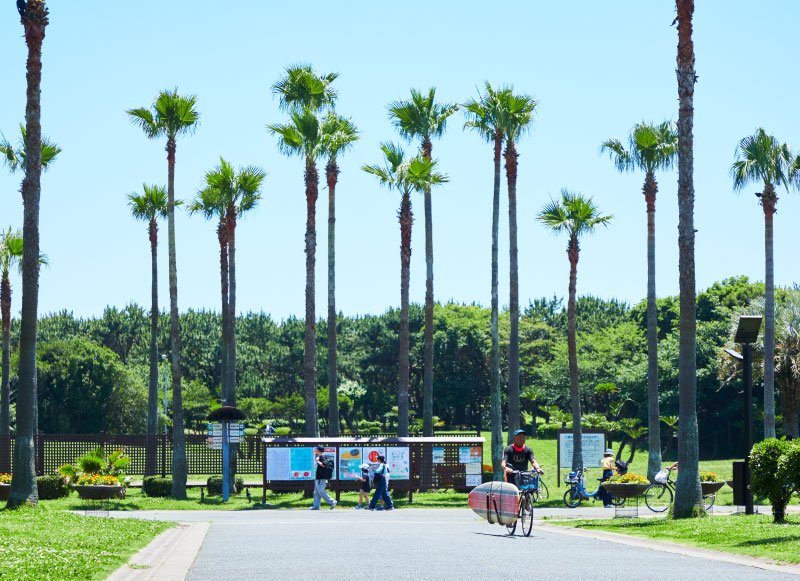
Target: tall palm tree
[[301, 87], [339, 134], [762, 158], [422, 118], [302, 136], [405, 176], [687, 489], [34, 18], [172, 115], [650, 148], [516, 119], [15, 159], [10, 254], [149, 206], [577, 216], [485, 115]]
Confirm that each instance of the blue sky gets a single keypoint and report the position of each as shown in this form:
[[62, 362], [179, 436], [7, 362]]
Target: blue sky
[[596, 68]]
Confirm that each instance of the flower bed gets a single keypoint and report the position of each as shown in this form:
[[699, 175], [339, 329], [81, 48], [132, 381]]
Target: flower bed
[[5, 485], [100, 491], [625, 490]]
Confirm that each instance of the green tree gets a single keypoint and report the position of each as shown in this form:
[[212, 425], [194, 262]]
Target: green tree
[[577, 216], [761, 158], [149, 206], [687, 490], [421, 117], [339, 133], [10, 255], [34, 18], [417, 174], [650, 147], [485, 115], [171, 116]]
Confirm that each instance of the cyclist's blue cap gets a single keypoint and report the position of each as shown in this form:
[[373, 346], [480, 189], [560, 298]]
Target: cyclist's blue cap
[[518, 432]]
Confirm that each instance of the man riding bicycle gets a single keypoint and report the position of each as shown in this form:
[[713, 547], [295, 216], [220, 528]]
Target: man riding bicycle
[[517, 456]]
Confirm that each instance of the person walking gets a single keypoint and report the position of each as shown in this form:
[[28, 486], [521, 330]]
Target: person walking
[[324, 473], [379, 479], [364, 486]]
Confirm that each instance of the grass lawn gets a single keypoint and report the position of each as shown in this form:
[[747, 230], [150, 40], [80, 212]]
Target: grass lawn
[[748, 535], [44, 543]]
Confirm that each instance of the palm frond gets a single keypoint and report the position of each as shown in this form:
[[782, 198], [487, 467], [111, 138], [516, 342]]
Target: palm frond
[[761, 157], [421, 117], [338, 134], [144, 120], [300, 87], [574, 213]]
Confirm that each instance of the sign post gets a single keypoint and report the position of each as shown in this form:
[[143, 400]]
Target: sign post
[[225, 415], [593, 443]]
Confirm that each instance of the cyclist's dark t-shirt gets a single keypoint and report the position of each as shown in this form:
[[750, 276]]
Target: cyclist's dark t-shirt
[[518, 460]]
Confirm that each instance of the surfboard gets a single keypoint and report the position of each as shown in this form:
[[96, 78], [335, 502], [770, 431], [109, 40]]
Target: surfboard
[[497, 502]]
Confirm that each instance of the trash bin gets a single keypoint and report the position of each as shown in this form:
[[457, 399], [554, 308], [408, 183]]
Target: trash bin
[[738, 483]]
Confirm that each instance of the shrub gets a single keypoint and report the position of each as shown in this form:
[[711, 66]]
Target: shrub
[[547, 431], [97, 463], [51, 487], [156, 486], [214, 485], [789, 466], [374, 430], [765, 477], [283, 431]]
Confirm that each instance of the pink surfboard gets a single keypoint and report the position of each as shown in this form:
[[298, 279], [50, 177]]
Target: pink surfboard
[[497, 502]]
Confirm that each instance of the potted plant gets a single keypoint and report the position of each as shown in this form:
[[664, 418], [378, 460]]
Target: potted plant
[[5, 485], [626, 485], [97, 475], [710, 483]]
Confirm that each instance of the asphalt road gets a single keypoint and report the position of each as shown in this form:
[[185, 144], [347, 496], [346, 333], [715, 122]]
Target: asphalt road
[[422, 544]]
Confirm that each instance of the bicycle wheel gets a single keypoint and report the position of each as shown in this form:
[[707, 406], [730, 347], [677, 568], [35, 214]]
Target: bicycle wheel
[[708, 501], [544, 494], [526, 513], [658, 497], [513, 527], [572, 497], [617, 501]]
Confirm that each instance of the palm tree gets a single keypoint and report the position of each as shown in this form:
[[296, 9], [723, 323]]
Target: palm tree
[[405, 176], [302, 136], [517, 115], [761, 158], [302, 88], [10, 254], [421, 117], [34, 18], [485, 115], [170, 116], [339, 134], [650, 148], [687, 489], [149, 206], [16, 160], [577, 216]]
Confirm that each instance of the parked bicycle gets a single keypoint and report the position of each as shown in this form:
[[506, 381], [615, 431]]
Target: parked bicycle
[[528, 484], [577, 491], [659, 495]]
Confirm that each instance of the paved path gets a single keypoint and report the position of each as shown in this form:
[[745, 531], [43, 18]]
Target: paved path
[[420, 544]]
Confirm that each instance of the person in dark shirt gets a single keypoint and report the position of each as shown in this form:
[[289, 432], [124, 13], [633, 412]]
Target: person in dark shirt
[[517, 456]]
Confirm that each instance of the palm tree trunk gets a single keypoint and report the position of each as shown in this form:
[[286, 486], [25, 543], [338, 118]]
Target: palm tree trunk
[[230, 221], [222, 237], [332, 174], [768, 201], [427, 390], [23, 482], [310, 360], [179, 467], [5, 390], [687, 489], [496, 406], [406, 221], [790, 401], [573, 252], [653, 413], [513, 349], [152, 389]]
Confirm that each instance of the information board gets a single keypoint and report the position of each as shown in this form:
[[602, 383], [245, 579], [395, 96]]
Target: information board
[[350, 460], [399, 462], [438, 455], [593, 446]]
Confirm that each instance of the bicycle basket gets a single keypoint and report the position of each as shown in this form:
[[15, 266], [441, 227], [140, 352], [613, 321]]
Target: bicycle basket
[[662, 476], [526, 481], [572, 478]]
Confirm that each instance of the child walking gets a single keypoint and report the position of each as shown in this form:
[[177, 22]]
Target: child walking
[[364, 488]]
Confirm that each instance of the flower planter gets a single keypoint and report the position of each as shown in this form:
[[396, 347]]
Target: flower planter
[[729, 483], [100, 491], [4, 490], [710, 488], [621, 490]]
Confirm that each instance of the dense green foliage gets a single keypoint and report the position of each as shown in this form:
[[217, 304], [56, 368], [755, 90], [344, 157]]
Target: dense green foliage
[[773, 465], [157, 487], [214, 485], [93, 372], [51, 487]]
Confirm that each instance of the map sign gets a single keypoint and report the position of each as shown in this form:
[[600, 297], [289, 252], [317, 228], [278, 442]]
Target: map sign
[[593, 446]]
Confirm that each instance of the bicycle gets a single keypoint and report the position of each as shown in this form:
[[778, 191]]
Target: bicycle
[[577, 491], [528, 493], [659, 495]]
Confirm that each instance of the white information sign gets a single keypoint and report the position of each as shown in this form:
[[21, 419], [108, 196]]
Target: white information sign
[[398, 461], [593, 446], [474, 479], [278, 463]]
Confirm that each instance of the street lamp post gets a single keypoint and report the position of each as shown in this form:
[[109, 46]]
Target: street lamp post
[[746, 335]]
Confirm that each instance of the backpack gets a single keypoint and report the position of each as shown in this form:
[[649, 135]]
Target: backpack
[[326, 470]]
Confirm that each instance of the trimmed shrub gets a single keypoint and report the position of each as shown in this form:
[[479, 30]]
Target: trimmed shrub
[[51, 487], [156, 486], [283, 431], [765, 477], [214, 486], [374, 430]]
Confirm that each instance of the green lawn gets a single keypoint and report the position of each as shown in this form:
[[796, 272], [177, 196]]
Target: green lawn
[[748, 535], [43, 543]]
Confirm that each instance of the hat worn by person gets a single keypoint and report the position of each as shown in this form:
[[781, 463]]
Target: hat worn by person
[[364, 466], [609, 452], [518, 432]]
